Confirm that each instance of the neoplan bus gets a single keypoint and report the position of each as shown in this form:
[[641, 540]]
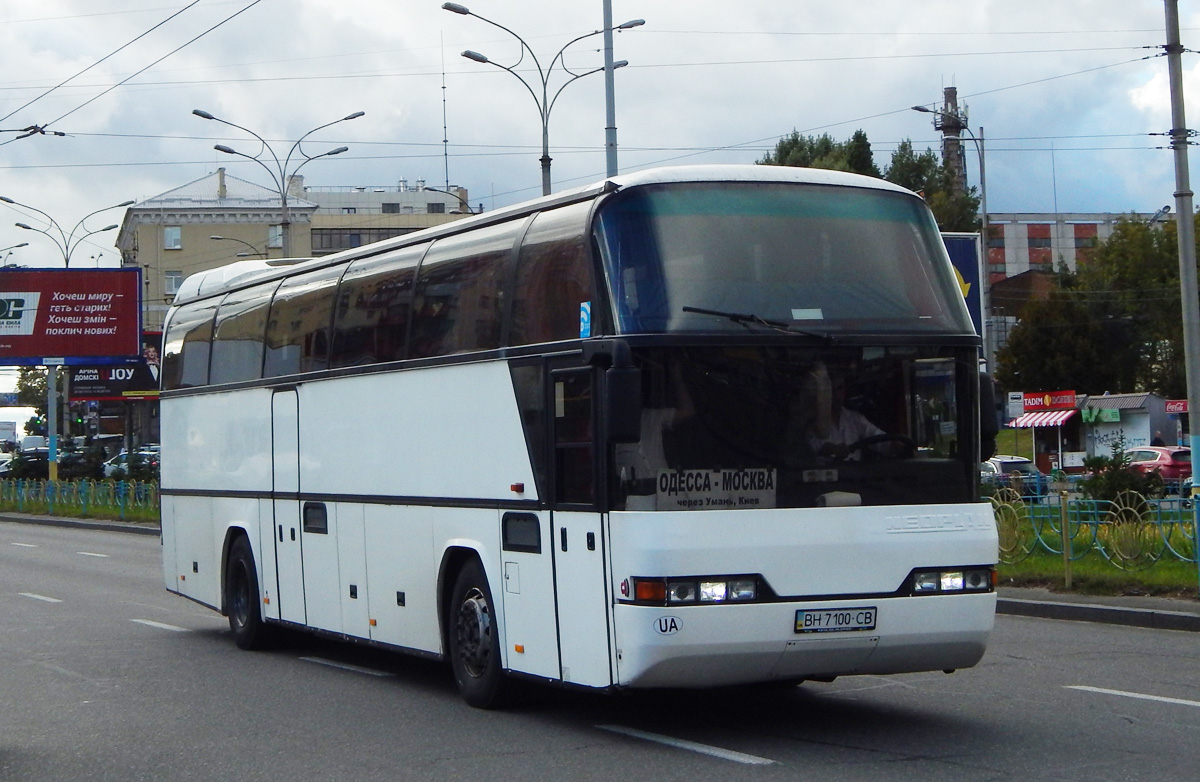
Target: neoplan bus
[[592, 439]]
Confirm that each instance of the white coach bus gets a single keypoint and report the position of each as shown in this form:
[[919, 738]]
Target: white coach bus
[[687, 427]]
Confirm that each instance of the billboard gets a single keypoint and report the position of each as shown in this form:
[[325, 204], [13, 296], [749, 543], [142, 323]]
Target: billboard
[[91, 316], [108, 383], [963, 250]]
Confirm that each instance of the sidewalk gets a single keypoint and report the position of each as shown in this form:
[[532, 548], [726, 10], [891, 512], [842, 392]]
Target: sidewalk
[[1163, 613], [62, 521]]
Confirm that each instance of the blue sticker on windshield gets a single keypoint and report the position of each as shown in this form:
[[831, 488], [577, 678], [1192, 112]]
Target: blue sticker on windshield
[[585, 319]]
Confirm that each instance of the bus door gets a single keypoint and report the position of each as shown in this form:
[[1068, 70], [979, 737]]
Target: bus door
[[285, 467], [576, 532]]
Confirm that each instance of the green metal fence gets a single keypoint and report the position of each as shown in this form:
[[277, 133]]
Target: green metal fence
[[126, 500], [1132, 532]]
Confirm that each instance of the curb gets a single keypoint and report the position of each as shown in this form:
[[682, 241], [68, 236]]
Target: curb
[[105, 526], [1117, 615]]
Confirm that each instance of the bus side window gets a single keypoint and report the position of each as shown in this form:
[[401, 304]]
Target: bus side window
[[187, 345], [298, 326], [458, 302], [554, 277], [371, 314], [241, 327]]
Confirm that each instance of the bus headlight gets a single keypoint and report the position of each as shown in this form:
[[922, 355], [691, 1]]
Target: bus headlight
[[952, 580], [707, 590]]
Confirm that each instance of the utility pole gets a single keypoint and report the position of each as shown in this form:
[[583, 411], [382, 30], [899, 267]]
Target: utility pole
[[1187, 240]]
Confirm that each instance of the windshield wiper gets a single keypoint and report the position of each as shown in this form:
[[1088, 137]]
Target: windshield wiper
[[758, 320]]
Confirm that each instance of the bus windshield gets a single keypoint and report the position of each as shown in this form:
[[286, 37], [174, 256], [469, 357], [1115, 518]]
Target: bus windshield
[[736, 257], [775, 426]]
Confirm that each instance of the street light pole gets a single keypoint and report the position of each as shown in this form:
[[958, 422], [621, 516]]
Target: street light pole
[[545, 103], [461, 200], [4, 261], [255, 250], [985, 279], [1187, 243], [66, 242], [280, 174]]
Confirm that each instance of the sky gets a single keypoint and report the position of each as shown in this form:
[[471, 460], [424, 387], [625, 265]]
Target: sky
[[1068, 96]]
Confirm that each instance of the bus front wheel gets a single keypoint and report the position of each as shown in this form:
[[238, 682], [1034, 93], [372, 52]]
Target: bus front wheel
[[242, 598], [475, 639]]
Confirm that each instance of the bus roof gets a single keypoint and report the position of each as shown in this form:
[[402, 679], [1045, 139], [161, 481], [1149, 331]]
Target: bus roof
[[241, 273]]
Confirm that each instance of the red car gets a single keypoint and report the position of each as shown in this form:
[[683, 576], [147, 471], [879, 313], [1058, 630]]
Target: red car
[[1172, 463]]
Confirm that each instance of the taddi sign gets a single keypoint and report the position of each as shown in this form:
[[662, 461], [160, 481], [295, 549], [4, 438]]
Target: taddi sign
[[85, 316]]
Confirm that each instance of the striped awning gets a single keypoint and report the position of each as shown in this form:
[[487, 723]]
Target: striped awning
[[1048, 418]]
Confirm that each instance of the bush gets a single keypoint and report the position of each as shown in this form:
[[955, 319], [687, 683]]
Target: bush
[[1108, 476]]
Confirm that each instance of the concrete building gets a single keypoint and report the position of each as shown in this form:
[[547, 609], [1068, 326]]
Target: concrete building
[[1021, 242], [171, 236]]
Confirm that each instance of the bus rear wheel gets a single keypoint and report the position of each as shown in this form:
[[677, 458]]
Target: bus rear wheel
[[474, 639], [242, 599]]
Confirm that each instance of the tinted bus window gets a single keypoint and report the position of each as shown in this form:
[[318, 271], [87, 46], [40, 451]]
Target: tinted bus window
[[298, 326], [187, 344], [554, 277], [372, 312], [813, 256], [237, 352], [458, 303]]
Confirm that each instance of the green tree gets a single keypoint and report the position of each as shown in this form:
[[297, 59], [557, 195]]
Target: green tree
[[926, 174], [31, 388], [1112, 325], [922, 172], [824, 152]]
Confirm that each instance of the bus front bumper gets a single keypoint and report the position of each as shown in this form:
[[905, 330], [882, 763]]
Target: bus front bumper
[[719, 645]]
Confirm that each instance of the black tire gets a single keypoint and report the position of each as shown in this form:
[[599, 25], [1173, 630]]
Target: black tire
[[242, 599], [474, 639]]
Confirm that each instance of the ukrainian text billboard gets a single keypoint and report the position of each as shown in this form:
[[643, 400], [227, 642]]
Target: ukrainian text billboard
[[81, 316]]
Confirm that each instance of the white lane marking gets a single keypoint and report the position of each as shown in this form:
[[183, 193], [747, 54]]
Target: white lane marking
[[346, 666], [90, 554], [160, 625], [1137, 695], [40, 597], [691, 746], [24, 545]]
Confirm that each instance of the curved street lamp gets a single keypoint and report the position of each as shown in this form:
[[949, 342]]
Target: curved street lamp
[[9, 249], [280, 174], [958, 123], [470, 211], [66, 242], [254, 250], [545, 103]]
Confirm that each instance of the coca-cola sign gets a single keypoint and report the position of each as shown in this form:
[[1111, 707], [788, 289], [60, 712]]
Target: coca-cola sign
[[1177, 405]]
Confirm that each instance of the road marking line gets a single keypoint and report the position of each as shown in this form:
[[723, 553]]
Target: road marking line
[[160, 625], [691, 746], [90, 554], [40, 597], [346, 666], [24, 545], [1137, 695]]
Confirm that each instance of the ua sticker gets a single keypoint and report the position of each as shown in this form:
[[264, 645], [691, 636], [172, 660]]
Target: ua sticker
[[667, 625]]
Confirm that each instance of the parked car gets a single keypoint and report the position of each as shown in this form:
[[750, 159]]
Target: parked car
[[1016, 472], [33, 463], [1173, 463], [122, 461]]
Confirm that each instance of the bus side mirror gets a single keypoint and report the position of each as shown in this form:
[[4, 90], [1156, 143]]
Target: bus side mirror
[[623, 395]]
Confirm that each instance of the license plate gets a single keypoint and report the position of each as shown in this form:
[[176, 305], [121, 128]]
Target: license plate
[[834, 620]]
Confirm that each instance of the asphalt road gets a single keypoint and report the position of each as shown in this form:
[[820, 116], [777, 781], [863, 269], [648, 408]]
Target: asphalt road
[[106, 676]]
